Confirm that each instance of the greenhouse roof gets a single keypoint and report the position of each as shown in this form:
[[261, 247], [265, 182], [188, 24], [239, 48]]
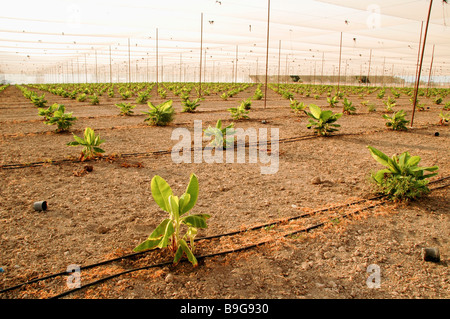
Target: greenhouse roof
[[54, 36]]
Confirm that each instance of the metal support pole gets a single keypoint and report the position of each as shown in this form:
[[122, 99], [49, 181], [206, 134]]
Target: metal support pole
[[339, 74], [368, 72], [157, 85], [201, 51], [279, 57], [267, 52], [129, 61], [431, 67], [420, 66], [110, 66]]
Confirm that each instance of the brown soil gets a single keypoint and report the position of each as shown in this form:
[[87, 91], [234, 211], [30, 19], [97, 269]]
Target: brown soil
[[95, 216]]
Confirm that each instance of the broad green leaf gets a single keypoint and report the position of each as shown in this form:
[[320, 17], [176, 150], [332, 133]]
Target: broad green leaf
[[98, 150], [379, 156], [174, 206], [184, 200], [197, 221], [161, 192], [192, 190], [315, 110], [325, 115], [413, 161], [160, 229], [168, 231], [78, 139], [392, 164], [402, 159], [147, 244], [178, 254]]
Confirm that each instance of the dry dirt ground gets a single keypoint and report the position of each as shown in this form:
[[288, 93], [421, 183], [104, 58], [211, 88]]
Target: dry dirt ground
[[103, 214]]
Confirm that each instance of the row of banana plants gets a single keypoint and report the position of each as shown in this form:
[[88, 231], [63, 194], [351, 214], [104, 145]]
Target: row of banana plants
[[3, 87]]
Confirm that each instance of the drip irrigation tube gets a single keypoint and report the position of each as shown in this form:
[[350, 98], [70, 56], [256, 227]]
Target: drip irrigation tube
[[247, 247], [307, 229], [197, 239], [165, 152]]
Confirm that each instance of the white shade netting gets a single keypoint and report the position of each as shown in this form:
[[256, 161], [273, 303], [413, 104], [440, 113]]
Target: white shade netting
[[102, 41]]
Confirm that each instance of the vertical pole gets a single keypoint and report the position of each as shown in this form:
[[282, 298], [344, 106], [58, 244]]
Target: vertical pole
[[110, 66], [418, 51], [339, 74], [368, 72], [420, 66], [85, 67], [267, 52], [181, 56], [323, 59], [157, 58], [382, 74], [96, 73], [129, 61], [431, 66], [201, 50], [279, 57], [286, 70], [392, 76], [236, 73]]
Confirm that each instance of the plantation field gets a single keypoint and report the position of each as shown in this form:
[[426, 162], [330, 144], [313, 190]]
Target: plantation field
[[105, 213]]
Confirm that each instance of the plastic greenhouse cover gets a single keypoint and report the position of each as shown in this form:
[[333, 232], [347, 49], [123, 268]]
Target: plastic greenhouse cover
[[40, 37]]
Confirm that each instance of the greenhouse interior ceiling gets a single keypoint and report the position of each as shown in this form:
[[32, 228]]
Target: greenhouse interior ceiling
[[50, 41]]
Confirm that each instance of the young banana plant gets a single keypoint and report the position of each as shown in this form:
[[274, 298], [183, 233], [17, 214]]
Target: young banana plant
[[223, 137], [160, 115], [90, 144], [169, 233], [402, 178], [322, 121], [397, 121]]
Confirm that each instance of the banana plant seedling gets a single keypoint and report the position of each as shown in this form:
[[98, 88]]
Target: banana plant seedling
[[223, 137], [402, 178], [397, 121], [178, 231], [444, 118], [160, 115], [90, 144], [125, 108], [322, 121], [297, 106], [332, 101], [348, 107], [258, 94], [48, 112], [190, 106], [38, 101], [62, 120], [239, 113]]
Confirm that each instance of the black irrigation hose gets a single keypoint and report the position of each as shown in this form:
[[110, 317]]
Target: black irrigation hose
[[165, 152], [303, 230], [307, 229], [197, 239]]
